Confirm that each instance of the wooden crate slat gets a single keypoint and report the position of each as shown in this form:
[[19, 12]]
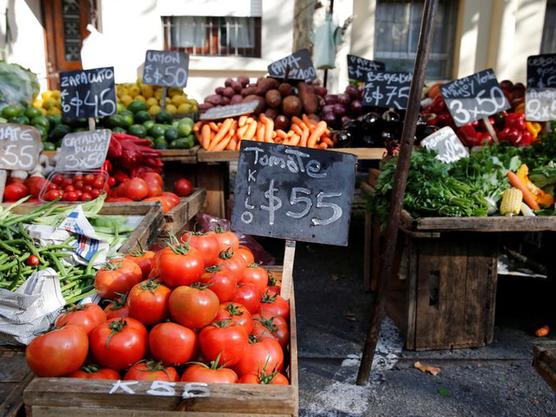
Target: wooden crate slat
[[92, 412]]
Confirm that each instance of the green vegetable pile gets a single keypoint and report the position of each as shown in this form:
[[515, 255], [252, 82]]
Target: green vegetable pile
[[469, 187]]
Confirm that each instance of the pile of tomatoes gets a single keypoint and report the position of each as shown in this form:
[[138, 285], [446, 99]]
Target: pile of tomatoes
[[74, 187], [200, 308]]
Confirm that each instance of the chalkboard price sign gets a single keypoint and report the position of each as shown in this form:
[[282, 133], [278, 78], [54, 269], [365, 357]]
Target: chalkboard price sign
[[358, 67], [19, 146], [297, 66], [232, 110], [446, 144], [540, 97], [88, 93], [293, 193], [474, 97], [387, 89], [83, 150], [166, 68]]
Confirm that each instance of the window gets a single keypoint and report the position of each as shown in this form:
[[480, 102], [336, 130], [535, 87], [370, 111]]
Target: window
[[548, 45], [214, 36], [397, 28]]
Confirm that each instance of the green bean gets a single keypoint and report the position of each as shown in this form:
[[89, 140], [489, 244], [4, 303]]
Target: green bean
[[4, 245], [57, 264]]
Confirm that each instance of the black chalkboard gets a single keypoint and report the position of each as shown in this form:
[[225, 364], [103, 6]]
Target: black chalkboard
[[474, 97], [83, 150], [294, 193], [232, 110], [20, 146], [88, 93], [297, 66], [540, 97], [387, 89], [166, 68], [358, 67], [541, 71]]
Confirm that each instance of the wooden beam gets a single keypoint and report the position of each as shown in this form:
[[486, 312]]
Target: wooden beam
[[400, 181]]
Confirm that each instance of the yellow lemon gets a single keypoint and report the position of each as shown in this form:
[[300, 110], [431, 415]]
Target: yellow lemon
[[55, 94], [37, 104], [46, 95], [158, 94], [126, 99], [148, 91], [184, 108], [55, 112], [151, 101], [49, 103], [179, 99], [170, 108], [154, 110], [140, 98], [134, 91]]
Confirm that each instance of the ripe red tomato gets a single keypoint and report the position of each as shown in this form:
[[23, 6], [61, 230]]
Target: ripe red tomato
[[224, 340], [117, 308], [94, 193], [153, 177], [118, 343], [237, 313], [246, 254], [255, 275], [148, 302], [234, 263], [164, 202], [183, 187], [274, 378], [119, 275], [118, 200], [88, 179], [67, 182], [261, 355], [172, 198], [50, 195], [95, 372], [70, 196], [136, 189], [78, 184], [153, 189], [208, 375], [193, 307], [226, 239], [172, 344], [274, 305], [206, 243], [58, 352], [249, 296], [144, 259], [35, 183], [87, 316], [87, 188], [220, 281], [151, 371], [275, 328], [178, 265], [98, 183], [86, 196], [58, 179]]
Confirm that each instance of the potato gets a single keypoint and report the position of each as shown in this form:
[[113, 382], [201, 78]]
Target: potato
[[236, 99], [301, 86], [261, 106], [282, 122], [244, 81], [273, 98], [271, 113], [309, 101], [219, 90], [291, 106], [225, 101], [214, 99], [228, 82], [265, 84], [247, 91], [236, 85], [286, 89], [228, 92], [205, 106]]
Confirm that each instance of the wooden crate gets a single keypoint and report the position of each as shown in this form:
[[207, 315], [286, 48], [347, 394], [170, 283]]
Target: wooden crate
[[544, 361], [177, 218], [55, 397], [14, 377]]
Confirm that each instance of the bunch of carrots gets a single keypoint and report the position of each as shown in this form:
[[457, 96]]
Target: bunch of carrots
[[227, 135]]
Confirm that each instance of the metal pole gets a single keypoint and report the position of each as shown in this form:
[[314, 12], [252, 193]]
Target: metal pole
[[400, 181]]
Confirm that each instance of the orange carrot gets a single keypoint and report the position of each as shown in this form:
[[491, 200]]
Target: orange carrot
[[308, 121], [197, 126], [294, 140], [250, 132], [327, 140], [242, 121], [205, 136], [221, 134], [260, 132], [322, 145], [214, 127], [281, 134], [232, 145], [220, 146], [316, 134], [528, 197], [297, 120], [298, 130], [241, 131], [268, 129], [304, 136]]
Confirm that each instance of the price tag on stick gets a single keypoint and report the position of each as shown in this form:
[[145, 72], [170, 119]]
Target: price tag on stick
[[358, 67], [446, 144], [387, 89], [166, 68], [293, 193], [540, 97], [475, 97], [297, 66], [88, 93], [83, 150]]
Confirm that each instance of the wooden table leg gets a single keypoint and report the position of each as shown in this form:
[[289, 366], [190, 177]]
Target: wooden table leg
[[367, 252], [213, 178]]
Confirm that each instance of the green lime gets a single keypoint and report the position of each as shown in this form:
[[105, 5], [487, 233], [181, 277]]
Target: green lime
[[187, 120], [120, 108], [48, 146], [31, 112], [160, 142], [20, 120], [184, 130], [156, 131], [55, 120], [127, 120], [115, 120], [12, 111], [43, 131], [142, 116], [148, 124], [59, 132], [164, 117], [118, 130], [137, 106], [40, 121], [182, 143], [138, 130], [171, 134], [175, 123]]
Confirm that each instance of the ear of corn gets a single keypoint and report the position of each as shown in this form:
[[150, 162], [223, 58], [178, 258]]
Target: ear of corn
[[511, 202]]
